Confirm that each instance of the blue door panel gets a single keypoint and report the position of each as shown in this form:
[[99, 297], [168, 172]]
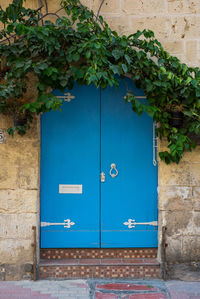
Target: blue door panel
[[72, 239], [126, 140], [70, 151], [115, 239]]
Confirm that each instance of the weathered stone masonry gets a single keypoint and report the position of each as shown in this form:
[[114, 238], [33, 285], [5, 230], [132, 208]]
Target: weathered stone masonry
[[176, 24]]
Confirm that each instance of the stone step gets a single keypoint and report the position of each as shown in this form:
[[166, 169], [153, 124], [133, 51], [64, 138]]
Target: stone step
[[99, 253], [99, 268], [97, 262]]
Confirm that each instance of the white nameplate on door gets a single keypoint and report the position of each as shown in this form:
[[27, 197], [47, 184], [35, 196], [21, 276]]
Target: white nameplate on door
[[71, 189]]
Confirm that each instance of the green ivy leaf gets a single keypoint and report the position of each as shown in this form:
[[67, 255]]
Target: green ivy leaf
[[117, 54], [76, 57], [125, 68], [128, 59], [19, 64], [115, 69], [88, 54]]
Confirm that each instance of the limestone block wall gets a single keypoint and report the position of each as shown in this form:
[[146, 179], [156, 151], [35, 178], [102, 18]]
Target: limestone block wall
[[179, 207], [176, 24], [19, 201]]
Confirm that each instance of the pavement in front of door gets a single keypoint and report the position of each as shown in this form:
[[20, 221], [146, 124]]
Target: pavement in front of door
[[99, 289]]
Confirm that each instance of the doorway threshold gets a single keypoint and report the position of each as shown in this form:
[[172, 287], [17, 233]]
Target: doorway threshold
[[99, 263]]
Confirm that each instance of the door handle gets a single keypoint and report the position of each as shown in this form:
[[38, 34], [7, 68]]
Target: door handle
[[113, 168]]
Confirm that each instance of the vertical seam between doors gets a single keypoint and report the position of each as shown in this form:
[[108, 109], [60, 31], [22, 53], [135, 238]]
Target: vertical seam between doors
[[41, 159], [100, 94]]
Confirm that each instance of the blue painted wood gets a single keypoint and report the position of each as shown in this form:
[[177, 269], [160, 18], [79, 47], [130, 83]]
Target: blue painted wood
[[126, 140], [70, 154], [90, 133]]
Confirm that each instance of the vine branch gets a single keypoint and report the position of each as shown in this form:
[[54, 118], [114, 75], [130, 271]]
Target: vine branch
[[46, 6], [98, 12]]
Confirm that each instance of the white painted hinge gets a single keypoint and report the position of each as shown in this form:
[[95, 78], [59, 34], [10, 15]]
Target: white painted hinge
[[67, 223], [131, 223]]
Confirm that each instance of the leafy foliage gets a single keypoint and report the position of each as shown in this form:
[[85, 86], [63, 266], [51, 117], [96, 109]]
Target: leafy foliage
[[81, 47]]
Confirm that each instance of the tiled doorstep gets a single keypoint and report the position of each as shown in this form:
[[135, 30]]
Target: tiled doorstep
[[73, 253], [123, 271]]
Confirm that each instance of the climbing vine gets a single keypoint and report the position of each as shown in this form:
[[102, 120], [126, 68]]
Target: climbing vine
[[81, 47]]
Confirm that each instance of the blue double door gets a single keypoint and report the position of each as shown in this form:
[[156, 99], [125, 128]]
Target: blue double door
[[98, 182]]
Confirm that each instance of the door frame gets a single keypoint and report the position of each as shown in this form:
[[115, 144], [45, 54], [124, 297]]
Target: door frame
[[159, 232]]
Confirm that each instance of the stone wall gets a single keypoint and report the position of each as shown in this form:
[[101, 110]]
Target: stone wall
[[176, 24], [179, 207], [19, 201]]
